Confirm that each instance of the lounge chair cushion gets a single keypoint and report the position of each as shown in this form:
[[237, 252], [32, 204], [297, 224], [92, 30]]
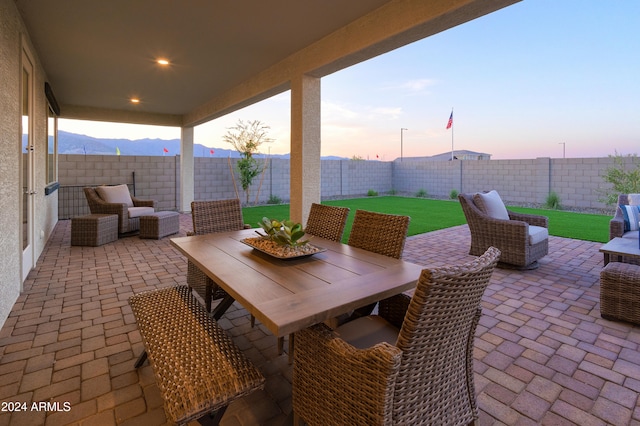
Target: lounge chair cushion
[[631, 216], [491, 204], [630, 234], [365, 332], [537, 234], [140, 211], [115, 194]]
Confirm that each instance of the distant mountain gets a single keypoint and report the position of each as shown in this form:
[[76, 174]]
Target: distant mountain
[[72, 143]]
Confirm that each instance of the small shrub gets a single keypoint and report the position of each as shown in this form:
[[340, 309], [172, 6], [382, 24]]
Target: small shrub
[[274, 199], [372, 193], [392, 192], [422, 193], [623, 177], [453, 194], [553, 201]]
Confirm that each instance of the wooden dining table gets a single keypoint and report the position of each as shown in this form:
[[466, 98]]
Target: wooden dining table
[[293, 294]]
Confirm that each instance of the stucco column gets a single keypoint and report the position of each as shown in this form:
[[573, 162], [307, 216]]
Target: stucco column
[[305, 146], [186, 169]]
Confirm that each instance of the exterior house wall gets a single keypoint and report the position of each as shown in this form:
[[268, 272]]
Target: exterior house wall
[[13, 36]]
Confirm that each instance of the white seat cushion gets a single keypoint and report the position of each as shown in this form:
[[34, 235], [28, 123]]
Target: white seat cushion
[[537, 234], [115, 194], [368, 331], [140, 211], [491, 204]]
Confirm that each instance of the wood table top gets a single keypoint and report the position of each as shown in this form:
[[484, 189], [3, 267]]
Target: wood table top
[[289, 295]]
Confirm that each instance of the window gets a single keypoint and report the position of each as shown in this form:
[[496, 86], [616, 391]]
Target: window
[[53, 111], [52, 147]]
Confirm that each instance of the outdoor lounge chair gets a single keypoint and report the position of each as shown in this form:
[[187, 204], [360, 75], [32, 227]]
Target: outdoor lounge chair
[[117, 200], [624, 223], [410, 365], [210, 217], [521, 238]]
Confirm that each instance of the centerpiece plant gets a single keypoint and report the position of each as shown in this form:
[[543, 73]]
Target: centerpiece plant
[[282, 238], [283, 233]]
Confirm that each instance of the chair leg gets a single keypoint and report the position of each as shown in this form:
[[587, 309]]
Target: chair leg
[[291, 339], [280, 345], [208, 294], [253, 321]]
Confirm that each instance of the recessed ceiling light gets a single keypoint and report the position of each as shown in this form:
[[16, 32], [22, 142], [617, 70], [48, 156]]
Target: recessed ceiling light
[[163, 62], [135, 100]]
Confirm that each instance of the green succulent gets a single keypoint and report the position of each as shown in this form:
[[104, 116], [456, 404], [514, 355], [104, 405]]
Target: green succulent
[[284, 233]]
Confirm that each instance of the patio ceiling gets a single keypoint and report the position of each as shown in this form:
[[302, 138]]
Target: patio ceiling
[[99, 54]]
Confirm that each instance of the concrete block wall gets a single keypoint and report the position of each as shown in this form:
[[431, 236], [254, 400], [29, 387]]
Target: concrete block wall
[[437, 178], [155, 176], [516, 180], [361, 176], [578, 181]]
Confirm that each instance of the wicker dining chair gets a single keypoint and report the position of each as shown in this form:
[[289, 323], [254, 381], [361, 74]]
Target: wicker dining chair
[[410, 365], [522, 238], [327, 221], [380, 233], [210, 217]]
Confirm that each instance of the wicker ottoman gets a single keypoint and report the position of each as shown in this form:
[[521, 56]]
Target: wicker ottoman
[[159, 224], [620, 292], [94, 229]]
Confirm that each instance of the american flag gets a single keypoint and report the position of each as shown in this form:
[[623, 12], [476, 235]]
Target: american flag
[[450, 122]]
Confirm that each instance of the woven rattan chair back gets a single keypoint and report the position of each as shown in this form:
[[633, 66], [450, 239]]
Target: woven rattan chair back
[[216, 216], [327, 221], [437, 337], [426, 378], [211, 217], [379, 232]]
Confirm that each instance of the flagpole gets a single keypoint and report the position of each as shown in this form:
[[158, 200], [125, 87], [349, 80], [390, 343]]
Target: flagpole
[[451, 135]]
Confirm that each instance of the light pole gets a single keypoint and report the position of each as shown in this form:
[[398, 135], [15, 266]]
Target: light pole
[[564, 146], [401, 130]]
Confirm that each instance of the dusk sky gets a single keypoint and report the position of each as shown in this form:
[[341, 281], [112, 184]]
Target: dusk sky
[[527, 81]]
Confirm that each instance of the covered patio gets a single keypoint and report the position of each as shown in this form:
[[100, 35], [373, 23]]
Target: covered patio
[[543, 355]]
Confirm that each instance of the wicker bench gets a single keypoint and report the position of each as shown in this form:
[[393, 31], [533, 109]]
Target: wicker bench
[[620, 292], [197, 366], [94, 229], [159, 224]]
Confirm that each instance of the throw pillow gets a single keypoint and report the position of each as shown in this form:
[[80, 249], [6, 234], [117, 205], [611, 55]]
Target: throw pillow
[[115, 194], [491, 204], [631, 217], [633, 199]]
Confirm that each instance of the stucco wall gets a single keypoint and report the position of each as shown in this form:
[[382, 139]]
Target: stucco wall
[[12, 37]]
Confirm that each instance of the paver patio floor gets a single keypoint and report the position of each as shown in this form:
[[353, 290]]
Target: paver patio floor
[[543, 355]]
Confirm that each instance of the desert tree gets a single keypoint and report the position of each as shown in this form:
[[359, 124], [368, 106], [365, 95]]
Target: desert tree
[[247, 137]]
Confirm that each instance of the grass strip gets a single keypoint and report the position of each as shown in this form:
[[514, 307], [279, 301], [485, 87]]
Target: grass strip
[[429, 215]]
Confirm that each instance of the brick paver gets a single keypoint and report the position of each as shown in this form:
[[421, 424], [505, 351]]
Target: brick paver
[[543, 355]]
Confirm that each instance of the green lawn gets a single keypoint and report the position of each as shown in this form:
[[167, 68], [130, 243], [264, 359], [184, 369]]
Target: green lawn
[[430, 215]]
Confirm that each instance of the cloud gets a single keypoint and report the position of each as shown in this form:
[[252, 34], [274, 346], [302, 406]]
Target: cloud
[[387, 112], [415, 86], [335, 112]]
